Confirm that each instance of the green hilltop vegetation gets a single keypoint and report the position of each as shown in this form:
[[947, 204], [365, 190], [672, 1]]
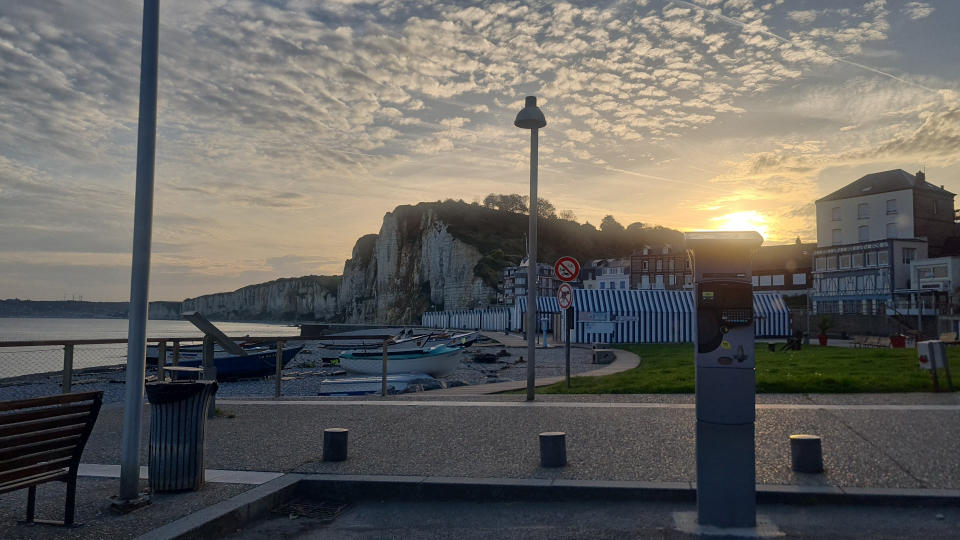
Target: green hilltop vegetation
[[498, 227]]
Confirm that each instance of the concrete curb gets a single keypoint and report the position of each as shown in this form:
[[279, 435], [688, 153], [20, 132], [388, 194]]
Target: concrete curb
[[225, 517]]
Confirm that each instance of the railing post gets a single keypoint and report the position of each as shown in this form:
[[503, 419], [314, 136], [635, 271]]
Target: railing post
[[67, 368], [176, 359], [209, 371], [161, 359], [276, 389]]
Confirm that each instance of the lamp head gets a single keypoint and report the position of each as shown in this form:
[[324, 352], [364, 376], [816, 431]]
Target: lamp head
[[530, 117]]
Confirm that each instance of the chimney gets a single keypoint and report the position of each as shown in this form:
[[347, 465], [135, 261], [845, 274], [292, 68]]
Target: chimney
[[921, 178]]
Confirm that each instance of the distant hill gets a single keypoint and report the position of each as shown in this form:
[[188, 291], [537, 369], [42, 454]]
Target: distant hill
[[82, 310]]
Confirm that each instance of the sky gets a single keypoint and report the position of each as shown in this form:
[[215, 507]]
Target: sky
[[287, 129]]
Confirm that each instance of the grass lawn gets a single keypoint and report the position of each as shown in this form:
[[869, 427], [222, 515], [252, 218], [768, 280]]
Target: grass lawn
[[668, 369]]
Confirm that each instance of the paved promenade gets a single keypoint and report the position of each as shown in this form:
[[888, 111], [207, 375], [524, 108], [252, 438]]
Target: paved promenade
[[870, 442]]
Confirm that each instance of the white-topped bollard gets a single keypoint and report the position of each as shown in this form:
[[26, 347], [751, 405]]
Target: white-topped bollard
[[553, 449], [806, 453]]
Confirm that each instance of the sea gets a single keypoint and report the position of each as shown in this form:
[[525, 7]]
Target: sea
[[18, 361]]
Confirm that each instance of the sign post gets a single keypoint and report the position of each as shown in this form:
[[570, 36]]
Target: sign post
[[565, 300], [566, 269]]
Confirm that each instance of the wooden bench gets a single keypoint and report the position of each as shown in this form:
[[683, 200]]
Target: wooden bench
[[950, 338], [859, 341], [41, 440]]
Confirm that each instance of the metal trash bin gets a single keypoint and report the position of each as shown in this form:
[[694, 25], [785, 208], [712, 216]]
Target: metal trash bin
[[178, 413]]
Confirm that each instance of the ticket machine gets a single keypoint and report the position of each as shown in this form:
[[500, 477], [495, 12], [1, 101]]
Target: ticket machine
[[725, 380]]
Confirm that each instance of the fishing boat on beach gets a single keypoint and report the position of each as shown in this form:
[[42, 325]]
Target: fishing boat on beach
[[437, 360], [257, 363], [334, 346]]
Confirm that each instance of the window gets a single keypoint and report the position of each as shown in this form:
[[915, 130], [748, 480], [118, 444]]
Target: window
[[891, 230], [934, 206], [756, 280], [778, 280], [764, 281], [863, 211], [835, 236], [821, 263], [940, 271], [871, 258], [858, 260], [845, 261], [799, 279], [835, 213], [644, 265], [883, 258], [687, 280], [832, 262], [863, 233], [623, 284], [603, 284], [909, 254], [673, 279], [670, 265], [659, 264], [891, 206]]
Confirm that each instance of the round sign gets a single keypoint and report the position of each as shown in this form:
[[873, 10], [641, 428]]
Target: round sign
[[566, 269], [565, 296]]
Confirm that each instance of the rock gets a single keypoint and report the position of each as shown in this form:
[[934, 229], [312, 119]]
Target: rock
[[503, 352], [485, 358]]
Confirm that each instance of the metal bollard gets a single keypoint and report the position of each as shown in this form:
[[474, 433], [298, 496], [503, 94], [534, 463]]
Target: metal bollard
[[553, 449], [806, 453], [335, 444]]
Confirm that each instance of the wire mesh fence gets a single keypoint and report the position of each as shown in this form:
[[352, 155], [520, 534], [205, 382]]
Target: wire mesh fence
[[58, 367]]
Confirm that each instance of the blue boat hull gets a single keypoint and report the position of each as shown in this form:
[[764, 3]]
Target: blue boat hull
[[253, 365]]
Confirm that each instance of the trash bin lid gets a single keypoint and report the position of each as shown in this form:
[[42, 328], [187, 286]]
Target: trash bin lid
[[169, 392]]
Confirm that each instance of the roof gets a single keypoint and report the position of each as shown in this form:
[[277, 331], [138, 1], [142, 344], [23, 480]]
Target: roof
[[884, 182], [792, 256]]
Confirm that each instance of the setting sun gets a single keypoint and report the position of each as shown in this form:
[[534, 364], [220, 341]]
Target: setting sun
[[748, 220]]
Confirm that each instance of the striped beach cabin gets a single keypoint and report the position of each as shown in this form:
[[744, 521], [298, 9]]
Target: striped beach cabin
[[622, 316]]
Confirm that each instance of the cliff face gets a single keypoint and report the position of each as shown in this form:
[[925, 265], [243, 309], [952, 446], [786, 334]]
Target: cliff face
[[309, 297], [413, 265]]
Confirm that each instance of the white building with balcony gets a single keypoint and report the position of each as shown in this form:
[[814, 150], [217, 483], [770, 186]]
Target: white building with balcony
[[868, 234]]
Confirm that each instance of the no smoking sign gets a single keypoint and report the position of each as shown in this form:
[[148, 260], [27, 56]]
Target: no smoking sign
[[566, 269]]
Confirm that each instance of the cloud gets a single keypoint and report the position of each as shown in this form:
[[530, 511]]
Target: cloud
[[917, 10]]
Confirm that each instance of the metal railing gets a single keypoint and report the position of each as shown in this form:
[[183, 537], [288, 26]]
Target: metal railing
[[43, 367]]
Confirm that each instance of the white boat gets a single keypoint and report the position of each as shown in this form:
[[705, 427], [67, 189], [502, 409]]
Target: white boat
[[437, 361], [357, 386], [333, 347]]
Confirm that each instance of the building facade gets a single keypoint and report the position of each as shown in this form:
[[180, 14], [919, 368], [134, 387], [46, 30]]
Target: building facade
[[786, 269], [663, 268], [514, 282], [868, 234]]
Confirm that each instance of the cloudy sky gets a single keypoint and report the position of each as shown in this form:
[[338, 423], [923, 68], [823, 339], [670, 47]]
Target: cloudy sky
[[288, 128]]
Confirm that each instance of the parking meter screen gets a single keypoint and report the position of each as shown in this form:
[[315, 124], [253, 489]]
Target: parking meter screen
[[721, 306]]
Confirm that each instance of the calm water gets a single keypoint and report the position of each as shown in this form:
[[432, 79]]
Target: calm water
[[25, 360]]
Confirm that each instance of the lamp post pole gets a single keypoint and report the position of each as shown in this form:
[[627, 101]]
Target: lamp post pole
[[530, 117], [140, 270], [532, 272]]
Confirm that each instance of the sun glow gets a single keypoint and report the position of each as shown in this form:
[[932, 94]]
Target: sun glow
[[748, 220]]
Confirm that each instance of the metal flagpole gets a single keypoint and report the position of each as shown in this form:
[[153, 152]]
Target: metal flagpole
[[140, 272]]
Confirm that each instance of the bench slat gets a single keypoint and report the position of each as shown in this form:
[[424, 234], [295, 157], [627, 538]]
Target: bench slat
[[17, 474], [34, 480], [9, 452], [39, 414], [50, 400], [48, 423], [40, 436], [35, 458]]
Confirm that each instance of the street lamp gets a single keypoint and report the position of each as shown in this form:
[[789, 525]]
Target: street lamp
[[531, 117]]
